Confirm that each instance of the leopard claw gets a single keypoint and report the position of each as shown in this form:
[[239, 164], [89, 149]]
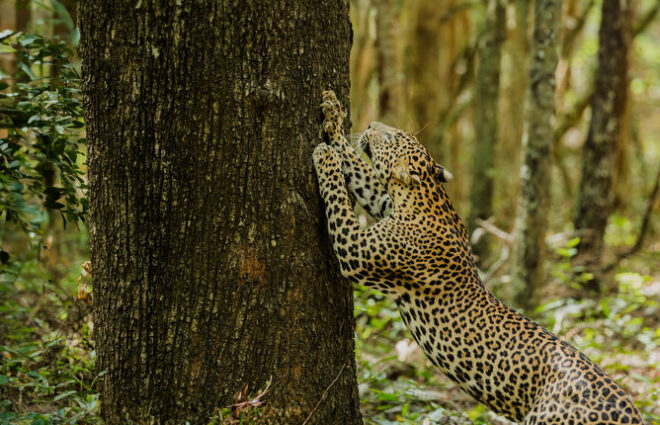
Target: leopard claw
[[332, 112]]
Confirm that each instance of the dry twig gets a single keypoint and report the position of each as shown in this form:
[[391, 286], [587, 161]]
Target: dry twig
[[325, 393], [495, 231]]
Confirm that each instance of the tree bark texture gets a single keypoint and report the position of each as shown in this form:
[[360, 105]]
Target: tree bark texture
[[608, 108], [212, 267], [486, 115], [537, 144]]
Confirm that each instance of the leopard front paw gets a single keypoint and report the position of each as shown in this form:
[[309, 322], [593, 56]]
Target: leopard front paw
[[324, 156], [333, 113]]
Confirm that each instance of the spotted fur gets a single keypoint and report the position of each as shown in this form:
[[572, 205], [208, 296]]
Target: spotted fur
[[419, 253]]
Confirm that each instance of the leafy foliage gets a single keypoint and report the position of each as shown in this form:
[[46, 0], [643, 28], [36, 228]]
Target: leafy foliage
[[42, 145], [47, 373]]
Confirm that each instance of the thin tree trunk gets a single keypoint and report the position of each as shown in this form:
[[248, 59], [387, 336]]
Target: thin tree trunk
[[486, 116], [424, 65], [537, 143], [514, 85], [608, 110], [212, 268], [16, 16], [389, 100], [23, 14], [362, 65]]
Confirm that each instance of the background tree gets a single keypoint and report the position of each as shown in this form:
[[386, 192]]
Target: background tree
[[487, 111], [426, 53], [387, 62], [608, 107], [531, 221], [212, 271], [15, 15]]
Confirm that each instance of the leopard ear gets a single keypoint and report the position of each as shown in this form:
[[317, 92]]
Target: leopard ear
[[443, 175], [402, 172]]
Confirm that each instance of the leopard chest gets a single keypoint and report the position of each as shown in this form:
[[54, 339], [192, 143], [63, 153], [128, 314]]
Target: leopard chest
[[463, 344]]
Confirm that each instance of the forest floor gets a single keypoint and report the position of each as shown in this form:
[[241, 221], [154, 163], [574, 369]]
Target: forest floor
[[47, 373]]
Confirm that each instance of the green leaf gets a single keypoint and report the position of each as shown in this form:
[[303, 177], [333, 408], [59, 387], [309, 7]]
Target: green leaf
[[39, 420], [75, 37], [28, 39], [573, 242], [63, 13], [6, 34], [566, 252], [605, 307], [3, 380], [64, 395], [25, 68]]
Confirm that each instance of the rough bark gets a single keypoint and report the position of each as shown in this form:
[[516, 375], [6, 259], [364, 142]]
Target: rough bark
[[212, 268], [531, 220], [486, 116], [608, 107]]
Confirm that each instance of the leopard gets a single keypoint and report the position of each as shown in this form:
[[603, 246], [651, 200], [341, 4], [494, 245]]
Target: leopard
[[417, 251]]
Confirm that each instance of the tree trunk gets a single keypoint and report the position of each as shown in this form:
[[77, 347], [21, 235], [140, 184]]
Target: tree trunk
[[23, 14], [514, 85], [212, 267], [389, 100], [488, 85], [608, 108], [16, 16], [537, 143], [426, 54]]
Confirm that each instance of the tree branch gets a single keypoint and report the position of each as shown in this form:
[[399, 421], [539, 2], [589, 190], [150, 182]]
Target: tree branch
[[646, 20], [571, 34], [499, 233], [569, 119]]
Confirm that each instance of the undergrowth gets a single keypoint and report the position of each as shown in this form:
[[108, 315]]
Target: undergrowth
[[47, 373]]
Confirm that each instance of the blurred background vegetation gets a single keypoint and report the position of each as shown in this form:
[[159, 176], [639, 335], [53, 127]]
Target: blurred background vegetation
[[417, 65]]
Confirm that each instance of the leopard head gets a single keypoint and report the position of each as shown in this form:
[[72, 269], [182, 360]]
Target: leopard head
[[399, 160]]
